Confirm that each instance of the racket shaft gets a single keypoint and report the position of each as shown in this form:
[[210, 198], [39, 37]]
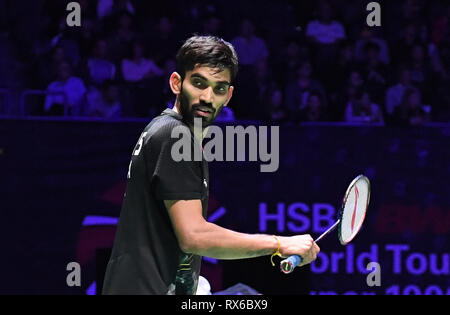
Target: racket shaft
[[288, 265], [327, 231]]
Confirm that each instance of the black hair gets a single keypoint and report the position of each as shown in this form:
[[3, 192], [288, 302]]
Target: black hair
[[208, 51]]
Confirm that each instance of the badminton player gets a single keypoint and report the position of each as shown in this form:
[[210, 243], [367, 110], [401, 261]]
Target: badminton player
[[162, 231]]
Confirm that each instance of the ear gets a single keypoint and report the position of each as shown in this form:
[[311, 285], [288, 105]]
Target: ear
[[230, 94], [175, 83]]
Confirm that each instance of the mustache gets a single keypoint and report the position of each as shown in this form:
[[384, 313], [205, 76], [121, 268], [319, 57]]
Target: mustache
[[204, 107]]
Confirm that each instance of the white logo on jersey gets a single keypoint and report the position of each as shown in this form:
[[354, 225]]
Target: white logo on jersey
[[137, 150]]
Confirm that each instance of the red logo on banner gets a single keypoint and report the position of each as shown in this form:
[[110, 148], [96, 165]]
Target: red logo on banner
[[354, 210]]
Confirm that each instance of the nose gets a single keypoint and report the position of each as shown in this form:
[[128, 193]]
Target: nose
[[207, 95]]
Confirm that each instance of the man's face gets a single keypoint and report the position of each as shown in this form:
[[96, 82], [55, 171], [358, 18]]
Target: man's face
[[204, 92]]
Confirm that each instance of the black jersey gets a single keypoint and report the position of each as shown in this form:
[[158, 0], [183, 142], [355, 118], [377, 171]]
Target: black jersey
[[146, 257]]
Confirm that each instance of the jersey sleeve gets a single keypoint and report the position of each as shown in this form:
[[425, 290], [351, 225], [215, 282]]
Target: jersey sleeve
[[171, 179]]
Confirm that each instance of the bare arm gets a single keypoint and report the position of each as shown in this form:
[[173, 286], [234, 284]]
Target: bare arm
[[196, 235]]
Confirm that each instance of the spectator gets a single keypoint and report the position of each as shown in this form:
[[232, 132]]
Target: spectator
[[412, 11], [249, 47], [138, 67], [395, 93], [340, 70], [421, 74], [263, 79], [99, 67], [192, 14], [165, 37], [325, 34], [325, 30], [66, 93], [348, 94], [297, 92], [406, 12], [275, 107], [292, 57], [363, 110], [374, 72], [122, 35], [143, 78], [368, 35], [105, 102], [108, 7], [315, 110], [289, 60], [412, 112], [252, 53], [60, 36], [48, 66], [85, 36], [403, 46]]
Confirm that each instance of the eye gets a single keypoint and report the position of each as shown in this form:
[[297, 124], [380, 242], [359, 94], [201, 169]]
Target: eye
[[197, 83], [221, 90]]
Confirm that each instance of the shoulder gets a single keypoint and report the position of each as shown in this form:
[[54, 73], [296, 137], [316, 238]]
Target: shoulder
[[75, 82], [164, 130]]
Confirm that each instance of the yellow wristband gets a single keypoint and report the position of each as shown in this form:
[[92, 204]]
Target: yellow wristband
[[277, 253]]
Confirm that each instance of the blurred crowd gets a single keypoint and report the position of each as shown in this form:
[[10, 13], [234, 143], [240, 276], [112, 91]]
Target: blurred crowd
[[299, 61]]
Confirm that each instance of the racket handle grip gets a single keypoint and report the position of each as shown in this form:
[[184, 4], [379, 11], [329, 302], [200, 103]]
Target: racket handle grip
[[288, 265]]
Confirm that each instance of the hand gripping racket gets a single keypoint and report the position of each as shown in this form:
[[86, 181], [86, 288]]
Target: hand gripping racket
[[350, 218]]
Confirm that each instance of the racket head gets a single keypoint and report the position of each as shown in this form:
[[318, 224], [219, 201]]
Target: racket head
[[354, 208]]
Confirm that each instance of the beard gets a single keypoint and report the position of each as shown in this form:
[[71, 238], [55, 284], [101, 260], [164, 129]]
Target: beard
[[189, 112]]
